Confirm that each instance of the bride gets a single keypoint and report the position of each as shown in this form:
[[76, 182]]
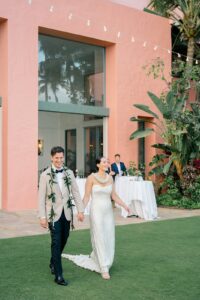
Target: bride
[[101, 189]]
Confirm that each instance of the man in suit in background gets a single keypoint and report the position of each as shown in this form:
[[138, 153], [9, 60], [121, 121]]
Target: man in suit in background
[[57, 188], [118, 167]]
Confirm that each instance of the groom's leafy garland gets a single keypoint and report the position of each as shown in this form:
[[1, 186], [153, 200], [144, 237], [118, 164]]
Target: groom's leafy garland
[[52, 196]]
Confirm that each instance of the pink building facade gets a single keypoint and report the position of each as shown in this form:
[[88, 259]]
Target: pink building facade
[[127, 37]]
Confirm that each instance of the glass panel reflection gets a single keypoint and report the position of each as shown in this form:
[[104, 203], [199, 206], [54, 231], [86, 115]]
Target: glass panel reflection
[[70, 72]]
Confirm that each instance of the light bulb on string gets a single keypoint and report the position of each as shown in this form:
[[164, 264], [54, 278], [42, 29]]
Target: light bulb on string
[[118, 34], [144, 44], [29, 2], [155, 48], [187, 59], [196, 62], [105, 28], [179, 56], [169, 51], [133, 39], [51, 8], [88, 22], [70, 16]]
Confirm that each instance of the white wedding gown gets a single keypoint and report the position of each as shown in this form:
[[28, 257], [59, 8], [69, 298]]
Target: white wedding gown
[[102, 231]]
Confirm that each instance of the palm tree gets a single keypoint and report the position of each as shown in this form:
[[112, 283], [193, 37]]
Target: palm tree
[[186, 16]]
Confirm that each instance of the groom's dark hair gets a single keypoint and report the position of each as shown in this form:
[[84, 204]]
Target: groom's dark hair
[[57, 149]]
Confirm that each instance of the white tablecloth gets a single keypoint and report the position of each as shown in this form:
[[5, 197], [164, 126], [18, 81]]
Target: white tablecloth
[[138, 195]]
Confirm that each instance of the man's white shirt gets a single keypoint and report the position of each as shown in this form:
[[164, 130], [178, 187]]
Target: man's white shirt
[[59, 177], [119, 169]]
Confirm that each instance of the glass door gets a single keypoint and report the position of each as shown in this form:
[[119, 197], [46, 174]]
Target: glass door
[[70, 146], [93, 147]]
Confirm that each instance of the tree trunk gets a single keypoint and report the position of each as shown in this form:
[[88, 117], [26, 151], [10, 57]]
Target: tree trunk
[[179, 168], [190, 51]]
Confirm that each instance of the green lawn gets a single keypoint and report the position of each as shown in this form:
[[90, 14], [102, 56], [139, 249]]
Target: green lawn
[[158, 260]]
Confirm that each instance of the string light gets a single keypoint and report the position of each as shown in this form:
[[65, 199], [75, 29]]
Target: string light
[[29, 2], [70, 16], [144, 44]]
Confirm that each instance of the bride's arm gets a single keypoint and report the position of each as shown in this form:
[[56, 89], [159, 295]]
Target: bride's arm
[[88, 189], [119, 201]]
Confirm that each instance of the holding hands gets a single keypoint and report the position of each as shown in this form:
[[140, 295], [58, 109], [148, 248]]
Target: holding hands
[[80, 217]]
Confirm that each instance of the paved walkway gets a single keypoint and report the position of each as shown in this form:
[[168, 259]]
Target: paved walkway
[[23, 223]]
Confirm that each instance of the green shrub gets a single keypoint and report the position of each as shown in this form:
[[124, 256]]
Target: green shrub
[[185, 195]]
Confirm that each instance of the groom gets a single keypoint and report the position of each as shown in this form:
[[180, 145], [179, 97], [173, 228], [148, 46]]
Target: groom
[[57, 189]]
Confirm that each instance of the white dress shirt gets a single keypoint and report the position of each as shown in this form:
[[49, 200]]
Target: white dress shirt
[[59, 178], [119, 169]]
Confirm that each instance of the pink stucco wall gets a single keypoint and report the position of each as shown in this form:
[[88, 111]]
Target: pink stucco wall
[[126, 82]]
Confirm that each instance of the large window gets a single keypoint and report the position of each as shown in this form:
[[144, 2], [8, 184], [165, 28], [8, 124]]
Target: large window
[[70, 72]]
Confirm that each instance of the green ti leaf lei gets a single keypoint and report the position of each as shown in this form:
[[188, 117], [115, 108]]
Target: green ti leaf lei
[[52, 196]]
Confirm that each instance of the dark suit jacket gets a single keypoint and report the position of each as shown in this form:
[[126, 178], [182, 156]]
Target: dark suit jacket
[[114, 168]]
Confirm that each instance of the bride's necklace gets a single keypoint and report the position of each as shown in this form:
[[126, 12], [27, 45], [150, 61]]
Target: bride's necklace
[[101, 179]]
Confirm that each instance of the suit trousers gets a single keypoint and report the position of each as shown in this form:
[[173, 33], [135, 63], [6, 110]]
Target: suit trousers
[[59, 235]]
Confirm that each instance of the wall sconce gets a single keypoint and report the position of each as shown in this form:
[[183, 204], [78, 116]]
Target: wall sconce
[[40, 147]]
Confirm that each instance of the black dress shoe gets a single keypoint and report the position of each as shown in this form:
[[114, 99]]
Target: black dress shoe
[[60, 280], [52, 269]]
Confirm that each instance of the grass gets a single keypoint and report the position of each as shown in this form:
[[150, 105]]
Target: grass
[[153, 261]]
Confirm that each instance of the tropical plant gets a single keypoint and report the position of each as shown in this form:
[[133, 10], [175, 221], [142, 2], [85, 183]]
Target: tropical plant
[[172, 132], [185, 14], [182, 80]]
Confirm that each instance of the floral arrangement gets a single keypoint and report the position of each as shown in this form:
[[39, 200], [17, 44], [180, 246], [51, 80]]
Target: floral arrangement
[[133, 170]]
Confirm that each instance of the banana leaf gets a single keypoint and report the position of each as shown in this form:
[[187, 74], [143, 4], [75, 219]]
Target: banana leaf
[[158, 158], [157, 171], [170, 100], [165, 147], [158, 103], [146, 109], [141, 133], [167, 167]]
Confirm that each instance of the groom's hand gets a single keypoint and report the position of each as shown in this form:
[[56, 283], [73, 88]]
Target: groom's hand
[[80, 217], [44, 223]]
